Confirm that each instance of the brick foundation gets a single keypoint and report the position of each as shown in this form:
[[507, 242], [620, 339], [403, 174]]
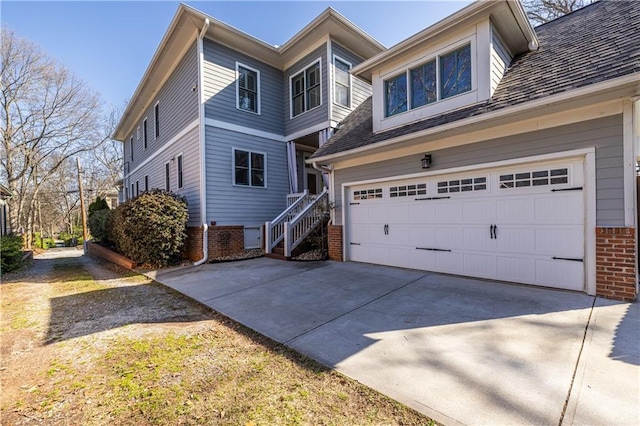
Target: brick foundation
[[225, 241], [193, 245], [335, 243], [616, 263]]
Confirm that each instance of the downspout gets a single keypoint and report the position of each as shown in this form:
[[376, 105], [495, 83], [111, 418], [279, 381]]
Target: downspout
[[203, 169]]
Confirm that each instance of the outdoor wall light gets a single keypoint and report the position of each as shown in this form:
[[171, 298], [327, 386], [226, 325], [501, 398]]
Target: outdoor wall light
[[426, 161]]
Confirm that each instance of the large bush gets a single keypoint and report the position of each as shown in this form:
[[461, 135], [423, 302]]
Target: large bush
[[98, 224], [150, 228], [97, 205], [10, 253]]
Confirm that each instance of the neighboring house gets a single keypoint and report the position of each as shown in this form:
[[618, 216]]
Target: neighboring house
[[5, 226], [227, 121], [495, 150]]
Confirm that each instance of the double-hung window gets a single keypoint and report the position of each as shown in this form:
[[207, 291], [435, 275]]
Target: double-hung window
[[440, 78], [249, 168], [306, 89], [167, 177], [248, 89], [180, 171], [156, 120], [341, 82], [131, 146], [144, 133]]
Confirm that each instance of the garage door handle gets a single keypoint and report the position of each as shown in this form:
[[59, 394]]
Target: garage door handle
[[493, 232], [386, 229], [578, 188], [355, 244], [431, 249], [572, 259], [432, 198]]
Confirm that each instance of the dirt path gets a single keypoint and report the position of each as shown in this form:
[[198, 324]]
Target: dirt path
[[85, 342]]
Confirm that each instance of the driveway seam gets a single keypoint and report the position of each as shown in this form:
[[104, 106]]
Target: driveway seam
[[575, 369], [260, 284], [354, 309]]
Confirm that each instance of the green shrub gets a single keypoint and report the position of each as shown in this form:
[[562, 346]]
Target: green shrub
[[151, 228], [10, 253], [98, 224], [98, 204]]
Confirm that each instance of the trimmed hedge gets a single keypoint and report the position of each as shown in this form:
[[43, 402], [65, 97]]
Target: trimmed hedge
[[151, 228], [10, 253]]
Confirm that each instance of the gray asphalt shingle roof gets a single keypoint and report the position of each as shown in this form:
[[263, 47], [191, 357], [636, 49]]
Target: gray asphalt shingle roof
[[594, 44]]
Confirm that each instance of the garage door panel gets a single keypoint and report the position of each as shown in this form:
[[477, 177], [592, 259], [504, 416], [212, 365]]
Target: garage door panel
[[515, 210], [479, 211], [359, 233], [448, 262], [560, 241], [422, 236], [359, 215], [358, 253], [559, 274], [448, 212], [516, 268], [376, 235], [422, 212], [510, 239], [398, 213], [449, 238], [399, 235], [379, 255], [559, 208], [400, 257], [479, 265], [378, 214], [477, 238]]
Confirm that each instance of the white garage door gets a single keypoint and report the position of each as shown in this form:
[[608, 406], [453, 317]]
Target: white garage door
[[522, 224]]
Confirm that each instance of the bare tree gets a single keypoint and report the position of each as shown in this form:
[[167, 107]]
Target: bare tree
[[542, 11], [47, 116]]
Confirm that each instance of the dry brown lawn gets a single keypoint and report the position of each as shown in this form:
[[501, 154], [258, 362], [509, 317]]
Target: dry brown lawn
[[83, 342]]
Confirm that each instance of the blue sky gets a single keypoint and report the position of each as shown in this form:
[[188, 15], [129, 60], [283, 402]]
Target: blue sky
[[109, 44]]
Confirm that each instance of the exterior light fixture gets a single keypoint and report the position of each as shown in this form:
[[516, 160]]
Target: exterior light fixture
[[426, 161]]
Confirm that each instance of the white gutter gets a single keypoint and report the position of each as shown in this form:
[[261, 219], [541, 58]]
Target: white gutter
[[203, 169], [538, 103]]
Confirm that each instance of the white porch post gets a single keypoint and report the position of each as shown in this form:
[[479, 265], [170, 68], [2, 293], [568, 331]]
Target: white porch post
[[293, 168]]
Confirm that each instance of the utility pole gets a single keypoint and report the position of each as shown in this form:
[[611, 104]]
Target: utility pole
[[84, 216]]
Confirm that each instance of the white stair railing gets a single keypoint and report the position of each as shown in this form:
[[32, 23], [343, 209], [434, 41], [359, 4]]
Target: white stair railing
[[274, 230], [296, 230]]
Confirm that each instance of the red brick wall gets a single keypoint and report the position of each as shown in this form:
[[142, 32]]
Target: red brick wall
[[335, 242], [193, 245], [225, 241], [616, 263]]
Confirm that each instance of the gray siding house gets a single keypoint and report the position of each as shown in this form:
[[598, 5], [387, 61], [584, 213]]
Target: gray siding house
[[495, 150], [227, 121]]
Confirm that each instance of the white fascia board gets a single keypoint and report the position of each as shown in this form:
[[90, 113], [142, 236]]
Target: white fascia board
[[494, 115]]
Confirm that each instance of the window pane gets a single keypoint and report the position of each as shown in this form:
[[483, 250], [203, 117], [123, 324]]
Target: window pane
[[455, 72], [297, 84], [242, 159], [313, 97], [423, 85], [298, 105], [257, 161], [395, 95], [342, 95], [247, 100], [313, 75], [242, 176], [257, 178]]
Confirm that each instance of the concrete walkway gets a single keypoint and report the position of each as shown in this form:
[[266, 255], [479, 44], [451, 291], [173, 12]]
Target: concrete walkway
[[461, 351]]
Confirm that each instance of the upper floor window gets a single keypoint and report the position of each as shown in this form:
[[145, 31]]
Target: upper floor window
[[248, 89], [146, 183], [144, 133], [167, 177], [131, 147], [341, 82], [180, 171], [442, 77], [249, 168], [156, 119], [306, 90]]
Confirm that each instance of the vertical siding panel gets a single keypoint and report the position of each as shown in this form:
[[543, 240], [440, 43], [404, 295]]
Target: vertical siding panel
[[605, 134]]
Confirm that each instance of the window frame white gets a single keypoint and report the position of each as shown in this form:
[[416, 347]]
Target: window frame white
[[304, 72], [180, 170], [156, 120], [233, 168], [145, 133], [138, 134], [335, 82], [167, 176], [258, 110]]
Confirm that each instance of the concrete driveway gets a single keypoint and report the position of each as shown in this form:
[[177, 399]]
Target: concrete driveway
[[461, 351]]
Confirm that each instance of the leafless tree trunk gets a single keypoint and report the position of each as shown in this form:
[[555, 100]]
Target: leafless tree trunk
[[542, 11], [47, 116]]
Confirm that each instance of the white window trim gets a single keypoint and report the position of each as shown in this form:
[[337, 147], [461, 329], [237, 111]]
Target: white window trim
[[258, 111], [381, 122], [167, 175], [178, 171], [145, 133], [138, 133], [304, 70], [350, 101], [156, 120], [233, 168]]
